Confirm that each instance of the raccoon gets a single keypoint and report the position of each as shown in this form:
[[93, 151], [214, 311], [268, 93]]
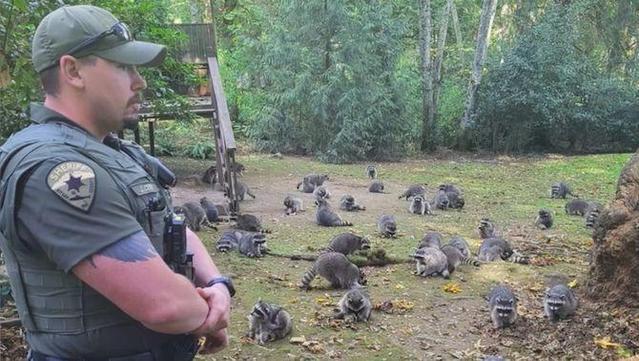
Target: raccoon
[[387, 226], [377, 186], [450, 188], [455, 258], [210, 175], [559, 302], [212, 212], [431, 239], [412, 191], [486, 229], [371, 171], [268, 322], [561, 190], [347, 243], [326, 217], [336, 269], [431, 262], [461, 244], [347, 203], [418, 205], [194, 215], [293, 205], [544, 219], [238, 168], [307, 186], [248, 222], [492, 249], [441, 201], [518, 257], [577, 207], [321, 192], [455, 201], [355, 305], [503, 306], [242, 190], [252, 244], [229, 240]]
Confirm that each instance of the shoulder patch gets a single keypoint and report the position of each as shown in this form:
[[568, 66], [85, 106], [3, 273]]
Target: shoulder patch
[[74, 182]]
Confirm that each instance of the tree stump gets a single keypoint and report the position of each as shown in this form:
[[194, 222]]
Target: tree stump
[[614, 268]]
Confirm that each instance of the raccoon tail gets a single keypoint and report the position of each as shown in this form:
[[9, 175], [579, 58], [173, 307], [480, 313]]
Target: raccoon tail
[[343, 223], [248, 191], [298, 185], [470, 261], [519, 258], [308, 277]]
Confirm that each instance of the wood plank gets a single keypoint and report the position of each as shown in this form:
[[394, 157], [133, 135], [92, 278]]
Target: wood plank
[[220, 102]]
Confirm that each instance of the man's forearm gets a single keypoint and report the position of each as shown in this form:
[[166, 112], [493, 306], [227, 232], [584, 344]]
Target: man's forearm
[[205, 268]]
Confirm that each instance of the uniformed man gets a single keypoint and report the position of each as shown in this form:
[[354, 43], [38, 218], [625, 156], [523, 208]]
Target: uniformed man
[[82, 214]]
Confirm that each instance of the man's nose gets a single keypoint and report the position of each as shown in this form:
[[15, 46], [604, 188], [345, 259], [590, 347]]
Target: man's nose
[[138, 81]]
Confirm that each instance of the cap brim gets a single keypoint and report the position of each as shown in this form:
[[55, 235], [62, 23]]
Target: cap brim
[[140, 53]]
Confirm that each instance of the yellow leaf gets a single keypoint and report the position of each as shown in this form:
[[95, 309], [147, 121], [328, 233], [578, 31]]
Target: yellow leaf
[[572, 284], [452, 287], [400, 286], [325, 300], [606, 343]]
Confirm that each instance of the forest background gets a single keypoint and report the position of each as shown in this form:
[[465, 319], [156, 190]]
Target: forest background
[[360, 80]]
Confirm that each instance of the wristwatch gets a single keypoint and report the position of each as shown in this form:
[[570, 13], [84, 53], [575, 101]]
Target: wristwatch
[[224, 280]]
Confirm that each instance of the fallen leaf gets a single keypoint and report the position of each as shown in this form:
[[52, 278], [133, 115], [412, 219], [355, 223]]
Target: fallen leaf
[[325, 300], [605, 343], [297, 340], [400, 286], [452, 287], [572, 284]]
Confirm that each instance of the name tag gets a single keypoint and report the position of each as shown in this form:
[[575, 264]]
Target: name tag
[[146, 188]]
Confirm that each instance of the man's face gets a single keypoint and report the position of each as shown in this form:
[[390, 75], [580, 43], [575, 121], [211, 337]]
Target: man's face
[[114, 92]]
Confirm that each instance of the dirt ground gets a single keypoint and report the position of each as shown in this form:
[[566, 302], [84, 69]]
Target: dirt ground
[[418, 318]]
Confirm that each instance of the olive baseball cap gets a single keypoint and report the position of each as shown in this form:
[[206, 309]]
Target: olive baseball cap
[[83, 30]]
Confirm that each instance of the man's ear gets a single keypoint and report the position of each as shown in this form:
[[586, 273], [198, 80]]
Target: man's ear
[[70, 71]]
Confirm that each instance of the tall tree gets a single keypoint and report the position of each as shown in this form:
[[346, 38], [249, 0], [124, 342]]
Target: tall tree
[[458, 37], [485, 24], [439, 57], [425, 31]]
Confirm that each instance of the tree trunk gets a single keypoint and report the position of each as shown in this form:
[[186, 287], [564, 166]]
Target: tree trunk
[[485, 24], [458, 37], [614, 267], [439, 58], [426, 69]]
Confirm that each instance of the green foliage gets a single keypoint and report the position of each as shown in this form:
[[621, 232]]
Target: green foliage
[[146, 18], [328, 82], [547, 94]]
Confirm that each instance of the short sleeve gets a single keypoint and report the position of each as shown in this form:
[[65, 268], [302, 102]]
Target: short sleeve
[[71, 209]]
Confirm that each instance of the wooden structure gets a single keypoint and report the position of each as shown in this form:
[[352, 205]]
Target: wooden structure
[[200, 49]]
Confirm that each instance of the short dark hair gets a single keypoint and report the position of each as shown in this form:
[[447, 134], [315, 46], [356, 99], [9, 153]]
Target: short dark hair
[[49, 77]]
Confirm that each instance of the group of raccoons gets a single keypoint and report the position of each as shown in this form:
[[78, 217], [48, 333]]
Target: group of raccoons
[[269, 322]]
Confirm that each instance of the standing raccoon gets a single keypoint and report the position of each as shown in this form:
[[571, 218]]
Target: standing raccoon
[[577, 207], [544, 219], [355, 305], [326, 217], [268, 322], [321, 193], [348, 243], [431, 262], [412, 191], [387, 226], [194, 215], [486, 229], [455, 258], [293, 205], [431, 239], [347, 203], [377, 186], [371, 171], [312, 181], [559, 303], [307, 186], [212, 212], [418, 205], [242, 190], [461, 244], [560, 190], [503, 306], [252, 244], [336, 269]]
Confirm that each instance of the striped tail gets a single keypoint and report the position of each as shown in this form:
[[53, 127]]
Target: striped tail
[[519, 258], [342, 223], [308, 277], [470, 261], [592, 217]]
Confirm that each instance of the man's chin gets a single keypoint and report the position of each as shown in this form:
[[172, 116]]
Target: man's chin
[[130, 123]]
